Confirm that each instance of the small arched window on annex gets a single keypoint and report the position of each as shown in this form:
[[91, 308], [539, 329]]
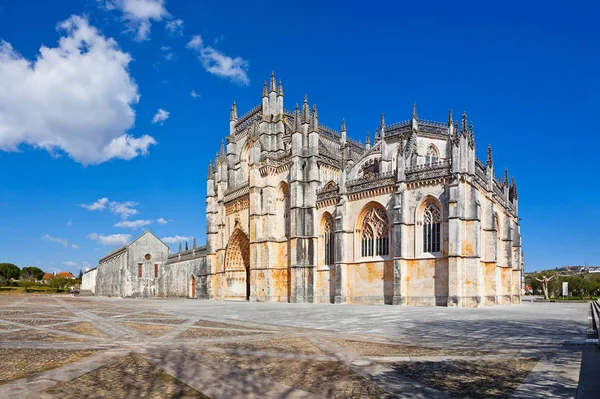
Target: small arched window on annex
[[373, 231], [432, 155], [327, 236], [282, 211], [429, 233]]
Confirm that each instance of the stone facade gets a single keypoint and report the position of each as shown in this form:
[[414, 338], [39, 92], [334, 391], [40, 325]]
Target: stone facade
[[298, 212]]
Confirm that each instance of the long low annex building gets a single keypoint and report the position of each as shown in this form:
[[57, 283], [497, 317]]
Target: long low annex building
[[299, 212]]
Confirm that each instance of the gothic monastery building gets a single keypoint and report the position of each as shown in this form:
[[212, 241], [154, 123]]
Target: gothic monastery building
[[299, 212]]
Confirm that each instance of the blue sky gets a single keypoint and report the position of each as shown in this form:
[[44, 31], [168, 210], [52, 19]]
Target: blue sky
[[76, 121]]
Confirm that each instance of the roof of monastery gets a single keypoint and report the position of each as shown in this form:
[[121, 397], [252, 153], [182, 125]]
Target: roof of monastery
[[124, 247]]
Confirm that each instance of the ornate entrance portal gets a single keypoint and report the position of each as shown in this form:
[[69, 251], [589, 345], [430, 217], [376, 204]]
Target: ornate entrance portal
[[237, 267]]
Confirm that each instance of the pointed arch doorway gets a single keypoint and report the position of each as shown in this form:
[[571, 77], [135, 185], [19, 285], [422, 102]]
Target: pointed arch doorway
[[237, 267], [193, 286]]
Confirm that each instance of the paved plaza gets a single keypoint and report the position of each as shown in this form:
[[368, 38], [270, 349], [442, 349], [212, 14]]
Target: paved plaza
[[62, 347]]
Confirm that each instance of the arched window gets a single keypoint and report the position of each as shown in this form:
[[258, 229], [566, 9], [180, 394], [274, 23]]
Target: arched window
[[375, 234], [283, 210], [244, 163], [432, 156], [328, 236], [498, 238], [432, 221]]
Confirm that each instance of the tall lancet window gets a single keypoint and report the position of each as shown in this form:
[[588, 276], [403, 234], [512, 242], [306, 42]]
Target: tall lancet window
[[432, 156], [328, 239], [431, 228], [375, 234]]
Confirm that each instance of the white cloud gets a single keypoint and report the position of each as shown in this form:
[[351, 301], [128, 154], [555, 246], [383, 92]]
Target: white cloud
[[175, 27], [175, 239], [139, 14], [96, 206], [75, 98], [69, 223], [75, 246], [161, 221], [69, 263], [124, 209], [133, 224], [161, 116], [194, 94], [63, 241], [220, 64], [167, 54], [110, 240]]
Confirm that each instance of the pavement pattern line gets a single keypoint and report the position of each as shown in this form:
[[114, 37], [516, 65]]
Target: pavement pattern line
[[529, 330]]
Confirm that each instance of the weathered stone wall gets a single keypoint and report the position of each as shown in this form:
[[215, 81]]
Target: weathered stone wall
[[110, 279], [175, 277], [88, 281]]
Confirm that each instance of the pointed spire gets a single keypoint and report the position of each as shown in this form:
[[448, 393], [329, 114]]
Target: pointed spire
[[471, 136], [211, 174], [315, 119], [489, 163], [222, 154], [463, 126], [194, 243], [368, 140], [506, 177], [382, 122], [179, 246], [272, 85], [296, 119], [456, 141], [265, 93], [305, 110], [414, 114], [450, 118], [280, 89], [343, 125], [233, 114]]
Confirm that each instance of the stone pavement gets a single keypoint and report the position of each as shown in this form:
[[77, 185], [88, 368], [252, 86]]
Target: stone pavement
[[241, 350]]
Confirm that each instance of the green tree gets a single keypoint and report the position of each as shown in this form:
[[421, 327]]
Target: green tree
[[8, 271], [57, 283], [31, 273], [80, 276]]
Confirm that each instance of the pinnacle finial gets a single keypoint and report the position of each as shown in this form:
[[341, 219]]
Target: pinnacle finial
[[382, 122], [506, 177], [296, 119], [210, 171], [194, 242], [280, 89], [233, 114], [463, 126], [179, 246], [222, 151], [489, 162], [265, 93], [315, 118], [414, 114], [368, 139], [471, 135], [343, 125], [305, 110], [272, 83], [450, 118]]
